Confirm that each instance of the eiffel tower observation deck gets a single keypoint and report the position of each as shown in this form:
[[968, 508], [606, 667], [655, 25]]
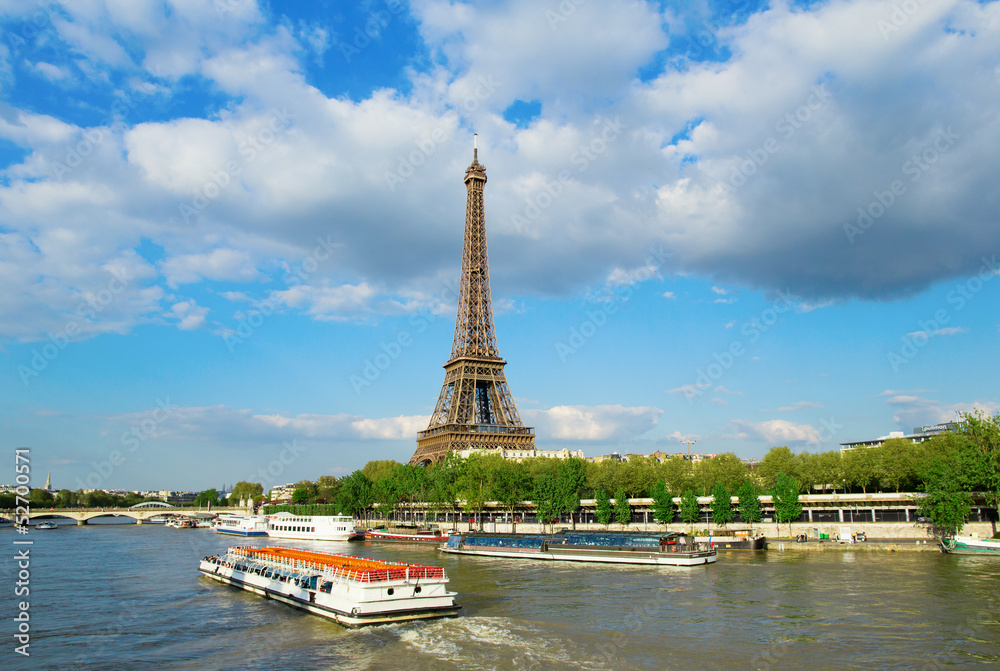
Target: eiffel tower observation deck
[[475, 409]]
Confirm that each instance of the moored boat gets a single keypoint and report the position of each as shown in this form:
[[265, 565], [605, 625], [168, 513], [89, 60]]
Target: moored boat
[[46, 525], [619, 548], [352, 591], [970, 545], [407, 535], [241, 525], [734, 539], [312, 527]]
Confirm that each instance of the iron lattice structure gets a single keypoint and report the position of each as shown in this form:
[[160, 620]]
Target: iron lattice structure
[[475, 408]]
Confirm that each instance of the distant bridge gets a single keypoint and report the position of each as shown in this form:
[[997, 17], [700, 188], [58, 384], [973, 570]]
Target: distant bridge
[[140, 515]]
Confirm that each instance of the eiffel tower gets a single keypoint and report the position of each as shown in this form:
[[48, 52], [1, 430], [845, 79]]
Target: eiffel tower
[[475, 408]]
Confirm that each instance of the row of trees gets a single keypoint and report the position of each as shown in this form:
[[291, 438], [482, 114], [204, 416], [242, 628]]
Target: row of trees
[[949, 467]]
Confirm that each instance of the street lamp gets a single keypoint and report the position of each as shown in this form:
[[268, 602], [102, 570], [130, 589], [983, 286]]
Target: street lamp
[[688, 443]]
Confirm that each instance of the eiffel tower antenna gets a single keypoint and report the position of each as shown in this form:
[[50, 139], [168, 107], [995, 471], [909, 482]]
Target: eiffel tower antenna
[[475, 408]]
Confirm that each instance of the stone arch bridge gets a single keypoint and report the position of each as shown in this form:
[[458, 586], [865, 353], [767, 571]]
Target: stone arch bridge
[[140, 515]]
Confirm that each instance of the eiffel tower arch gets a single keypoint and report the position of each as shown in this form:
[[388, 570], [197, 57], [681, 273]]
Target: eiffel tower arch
[[475, 409]]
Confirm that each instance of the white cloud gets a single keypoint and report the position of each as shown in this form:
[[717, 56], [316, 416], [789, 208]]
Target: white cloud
[[218, 264], [52, 72], [798, 405], [190, 316], [778, 431], [324, 173], [602, 422]]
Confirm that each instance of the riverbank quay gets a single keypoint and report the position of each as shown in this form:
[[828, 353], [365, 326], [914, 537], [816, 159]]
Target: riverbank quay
[[871, 545], [882, 532]]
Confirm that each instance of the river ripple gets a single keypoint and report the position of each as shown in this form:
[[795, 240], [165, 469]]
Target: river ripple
[[130, 597]]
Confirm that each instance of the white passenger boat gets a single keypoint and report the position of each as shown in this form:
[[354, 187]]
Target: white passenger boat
[[242, 525], [352, 591], [970, 545], [615, 548], [46, 525], [312, 527]]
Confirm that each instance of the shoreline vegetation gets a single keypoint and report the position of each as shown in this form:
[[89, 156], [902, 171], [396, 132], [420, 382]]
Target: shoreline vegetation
[[951, 472]]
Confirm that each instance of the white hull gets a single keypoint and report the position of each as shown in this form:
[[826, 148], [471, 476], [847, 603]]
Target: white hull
[[311, 528], [243, 526], [967, 545], [348, 602], [595, 555]]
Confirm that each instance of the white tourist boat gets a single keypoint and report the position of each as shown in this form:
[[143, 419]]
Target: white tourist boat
[[970, 545], [352, 591], [312, 527], [241, 525]]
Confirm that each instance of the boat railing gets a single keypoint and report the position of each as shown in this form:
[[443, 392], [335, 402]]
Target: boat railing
[[376, 572]]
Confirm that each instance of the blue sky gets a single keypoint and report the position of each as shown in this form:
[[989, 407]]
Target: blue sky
[[230, 231]]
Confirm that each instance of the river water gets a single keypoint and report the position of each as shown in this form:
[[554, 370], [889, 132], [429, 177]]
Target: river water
[[130, 597]]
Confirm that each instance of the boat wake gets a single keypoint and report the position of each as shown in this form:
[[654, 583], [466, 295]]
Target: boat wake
[[495, 643]]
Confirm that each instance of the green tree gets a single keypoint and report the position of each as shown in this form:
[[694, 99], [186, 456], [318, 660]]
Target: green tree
[[785, 496], [475, 482], [379, 469], [690, 511], [860, 468], [946, 504], [983, 435], [300, 495], [248, 491], [726, 469], [603, 510], [545, 495], [677, 473], [327, 486], [207, 497], [636, 476], [310, 487], [386, 495], [777, 460], [749, 504], [41, 498], [510, 487], [66, 498], [355, 495], [722, 505], [571, 476], [663, 503], [623, 512]]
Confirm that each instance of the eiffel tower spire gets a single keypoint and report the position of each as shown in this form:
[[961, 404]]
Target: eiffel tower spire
[[475, 408]]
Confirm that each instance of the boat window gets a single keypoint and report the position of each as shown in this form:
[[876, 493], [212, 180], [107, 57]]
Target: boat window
[[390, 591]]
